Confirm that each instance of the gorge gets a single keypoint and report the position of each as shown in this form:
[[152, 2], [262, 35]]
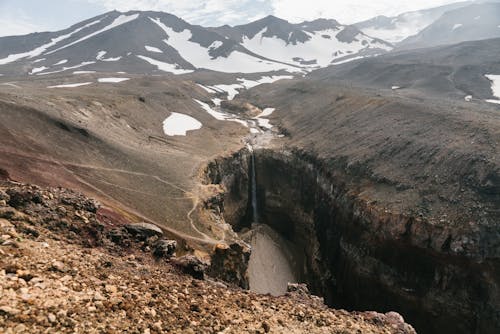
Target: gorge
[[348, 251]]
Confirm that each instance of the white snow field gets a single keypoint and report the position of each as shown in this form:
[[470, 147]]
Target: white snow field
[[179, 124], [71, 85], [323, 47], [199, 57], [112, 80], [495, 87], [165, 67]]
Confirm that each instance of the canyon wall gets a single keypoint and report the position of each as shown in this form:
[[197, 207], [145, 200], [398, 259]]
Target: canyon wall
[[441, 278]]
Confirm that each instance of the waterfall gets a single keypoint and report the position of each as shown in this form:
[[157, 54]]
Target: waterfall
[[253, 185]]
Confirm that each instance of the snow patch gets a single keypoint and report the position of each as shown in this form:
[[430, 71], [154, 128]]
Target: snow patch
[[69, 68], [267, 112], [220, 115], [111, 59], [165, 67], [263, 80], [112, 80], [101, 55], [495, 84], [347, 60], [216, 45], [231, 90], [71, 85], [456, 26], [64, 61], [208, 90], [153, 49], [493, 101], [38, 70], [395, 87], [468, 98], [215, 114], [263, 122], [179, 124], [83, 72]]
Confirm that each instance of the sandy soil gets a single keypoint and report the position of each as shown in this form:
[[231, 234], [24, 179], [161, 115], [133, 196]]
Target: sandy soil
[[271, 265]]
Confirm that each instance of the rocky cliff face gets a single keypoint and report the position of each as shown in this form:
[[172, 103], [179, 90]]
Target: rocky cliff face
[[358, 255]]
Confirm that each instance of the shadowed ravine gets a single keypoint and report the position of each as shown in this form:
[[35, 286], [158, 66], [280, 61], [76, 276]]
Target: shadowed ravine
[[271, 265], [314, 229]]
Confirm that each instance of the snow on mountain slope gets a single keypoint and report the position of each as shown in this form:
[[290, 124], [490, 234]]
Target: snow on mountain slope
[[41, 49], [309, 44], [396, 29], [199, 56], [153, 42], [136, 42]]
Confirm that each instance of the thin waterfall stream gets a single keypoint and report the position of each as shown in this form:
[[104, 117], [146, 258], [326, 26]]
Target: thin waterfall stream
[[271, 265]]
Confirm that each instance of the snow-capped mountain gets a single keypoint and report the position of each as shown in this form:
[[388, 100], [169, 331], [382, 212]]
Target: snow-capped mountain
[[471, 23], [134, 42], [312, 44], [396, 29], [148, 42]]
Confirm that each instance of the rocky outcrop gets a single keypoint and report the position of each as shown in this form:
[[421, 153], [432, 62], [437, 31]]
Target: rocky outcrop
[[230, 263], [232, 174], [144, 230], [165, 248]]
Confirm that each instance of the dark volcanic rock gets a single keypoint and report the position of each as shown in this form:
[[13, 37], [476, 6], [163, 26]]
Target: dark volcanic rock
[[144, 230], [191, 265], [165, 248], [230, 263]]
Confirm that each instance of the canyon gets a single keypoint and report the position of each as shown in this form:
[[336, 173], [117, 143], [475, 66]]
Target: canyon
[[352, 253]]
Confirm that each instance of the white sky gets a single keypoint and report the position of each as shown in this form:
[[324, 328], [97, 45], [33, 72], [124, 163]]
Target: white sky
[[24, 16]]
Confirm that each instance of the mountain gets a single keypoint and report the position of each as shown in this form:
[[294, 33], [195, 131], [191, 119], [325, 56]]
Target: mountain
[[454, 71], [313, 44], [145, 42], [474, 22], [132, 42], [396, 29]]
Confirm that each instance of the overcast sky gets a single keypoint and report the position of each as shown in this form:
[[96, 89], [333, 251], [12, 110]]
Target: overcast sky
[[19, 17]]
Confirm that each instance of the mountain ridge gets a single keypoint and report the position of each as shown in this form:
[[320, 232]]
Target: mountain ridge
[[152, 42]]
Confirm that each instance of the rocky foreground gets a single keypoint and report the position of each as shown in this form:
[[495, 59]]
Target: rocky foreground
[[67, 268]]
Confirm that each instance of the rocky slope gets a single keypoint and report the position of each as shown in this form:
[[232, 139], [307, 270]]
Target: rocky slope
[[69, 266], [452, 71]]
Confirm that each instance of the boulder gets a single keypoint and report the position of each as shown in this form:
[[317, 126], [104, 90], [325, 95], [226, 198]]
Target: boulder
[[144, 230], [298, 288], [191, 265], [165, 248]]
